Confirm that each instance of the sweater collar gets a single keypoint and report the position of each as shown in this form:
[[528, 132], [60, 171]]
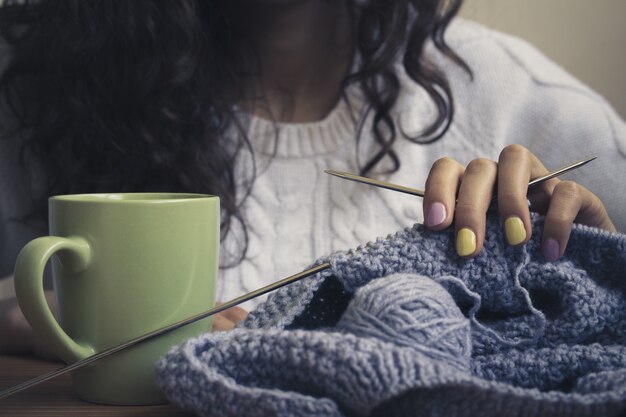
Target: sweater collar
[[321, 137]]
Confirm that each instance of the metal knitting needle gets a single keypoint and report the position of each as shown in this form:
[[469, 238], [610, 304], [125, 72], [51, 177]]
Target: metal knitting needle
[[108, 352], [246, 297], [560, 171], [420, 193]]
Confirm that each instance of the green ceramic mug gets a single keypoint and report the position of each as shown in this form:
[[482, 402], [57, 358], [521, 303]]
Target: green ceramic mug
[[125, 264]]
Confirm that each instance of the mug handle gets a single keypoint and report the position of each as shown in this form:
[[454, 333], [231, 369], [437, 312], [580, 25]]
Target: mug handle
[[75, 256]]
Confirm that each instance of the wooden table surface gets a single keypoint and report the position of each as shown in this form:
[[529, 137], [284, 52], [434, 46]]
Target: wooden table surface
[[55, 397]]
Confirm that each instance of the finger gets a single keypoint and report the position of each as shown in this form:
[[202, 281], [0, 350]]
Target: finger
[[473, 201], [564, 207], [570, 202], [592, 212], [540, 194], [440, 194], [235, 314], [221, 323], [515, 167]]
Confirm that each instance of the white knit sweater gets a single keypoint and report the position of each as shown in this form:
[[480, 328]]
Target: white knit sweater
[[297, 213]]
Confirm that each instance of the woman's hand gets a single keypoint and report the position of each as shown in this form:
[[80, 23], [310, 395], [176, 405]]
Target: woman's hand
[[563, 202], [227, 319], [16, 335], [18, 338]]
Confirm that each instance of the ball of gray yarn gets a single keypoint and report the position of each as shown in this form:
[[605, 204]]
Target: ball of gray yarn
[[414, 311]]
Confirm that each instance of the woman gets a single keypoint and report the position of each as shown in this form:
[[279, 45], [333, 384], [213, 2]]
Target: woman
[[252, 100]]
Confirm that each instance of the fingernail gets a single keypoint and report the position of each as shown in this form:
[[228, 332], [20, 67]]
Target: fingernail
[[465, 242], [436, 214], [550, 249], [514, 230]]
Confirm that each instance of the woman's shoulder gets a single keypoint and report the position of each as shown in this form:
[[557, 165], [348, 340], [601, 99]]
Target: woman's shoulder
[[515, 88], [486, 48]]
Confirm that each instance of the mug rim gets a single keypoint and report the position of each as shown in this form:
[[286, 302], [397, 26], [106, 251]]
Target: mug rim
[[132, 198]]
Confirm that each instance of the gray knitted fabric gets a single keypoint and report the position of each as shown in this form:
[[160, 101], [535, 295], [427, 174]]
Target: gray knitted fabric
[[403, 326]]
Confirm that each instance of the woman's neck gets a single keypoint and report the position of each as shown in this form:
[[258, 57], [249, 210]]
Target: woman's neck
[[304, 50]]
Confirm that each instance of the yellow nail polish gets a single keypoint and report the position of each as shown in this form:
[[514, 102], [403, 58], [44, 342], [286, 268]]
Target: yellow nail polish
[[465, 242], [514, 230]]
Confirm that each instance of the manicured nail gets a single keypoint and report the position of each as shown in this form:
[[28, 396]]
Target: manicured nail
[[465, 242], [436, 214], [514, 230], [550, 249]]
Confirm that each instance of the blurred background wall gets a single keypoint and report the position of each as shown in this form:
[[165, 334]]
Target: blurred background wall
[[586, 37]]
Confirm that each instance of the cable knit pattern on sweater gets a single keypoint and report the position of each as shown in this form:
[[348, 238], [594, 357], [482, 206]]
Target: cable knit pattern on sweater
[[378, 334]]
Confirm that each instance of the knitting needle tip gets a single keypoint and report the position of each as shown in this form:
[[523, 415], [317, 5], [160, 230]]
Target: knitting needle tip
[[377, 183]]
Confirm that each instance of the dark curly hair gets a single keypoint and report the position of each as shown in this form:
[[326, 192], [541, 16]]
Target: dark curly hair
[[120, 96]]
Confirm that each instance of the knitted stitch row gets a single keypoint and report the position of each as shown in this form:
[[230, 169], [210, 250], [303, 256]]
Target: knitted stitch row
[[403, 326]]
